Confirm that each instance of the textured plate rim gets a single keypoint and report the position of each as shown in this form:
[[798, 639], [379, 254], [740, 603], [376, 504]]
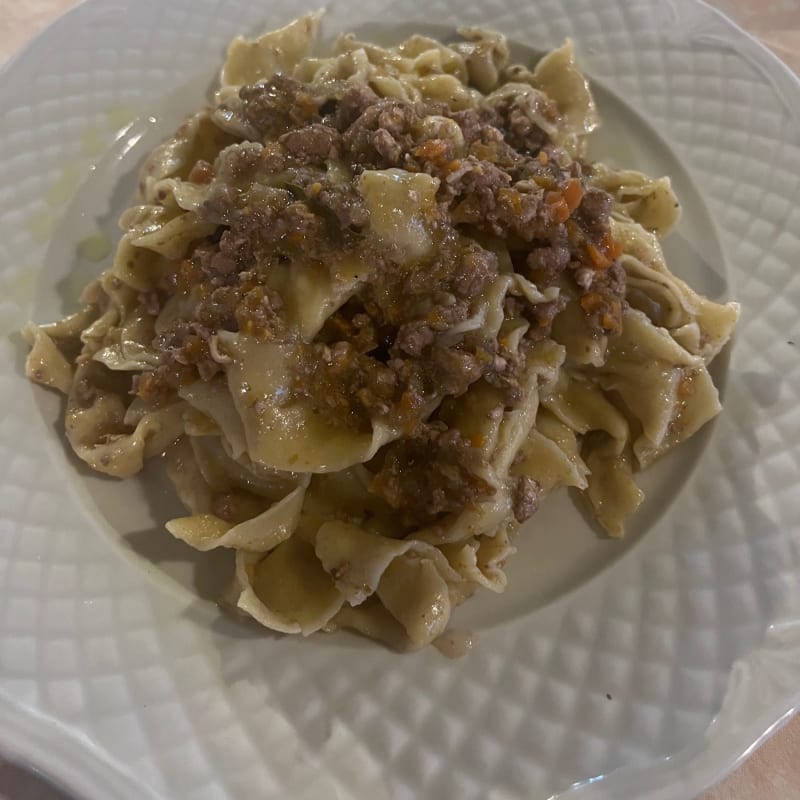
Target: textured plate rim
[[685, 773]]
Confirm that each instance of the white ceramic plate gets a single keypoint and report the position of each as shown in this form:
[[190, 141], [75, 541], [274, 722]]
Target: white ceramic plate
[[118, 676]]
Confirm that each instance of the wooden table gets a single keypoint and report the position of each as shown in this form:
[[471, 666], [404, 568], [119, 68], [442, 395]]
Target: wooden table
[[773, 772]]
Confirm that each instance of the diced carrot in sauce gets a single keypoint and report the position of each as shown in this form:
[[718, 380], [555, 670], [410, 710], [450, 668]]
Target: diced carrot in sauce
[[610, 247], [408, 407], [512, 198], [591, 301], [559, 210], [598, 259], [573, 193], [432, 150], [147, 387], [608, 308], [609, 322]]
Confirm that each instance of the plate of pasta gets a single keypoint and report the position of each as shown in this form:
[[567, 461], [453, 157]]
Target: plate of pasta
[[342, 340]]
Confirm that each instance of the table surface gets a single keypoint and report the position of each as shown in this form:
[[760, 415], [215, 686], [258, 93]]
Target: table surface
[[773, 771]]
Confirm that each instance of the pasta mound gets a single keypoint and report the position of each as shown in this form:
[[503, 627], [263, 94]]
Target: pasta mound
[[373, 308]]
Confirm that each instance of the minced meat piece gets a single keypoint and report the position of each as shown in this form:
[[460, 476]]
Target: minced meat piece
[[239, 161], [481, 195], [382, 135], [473, 270], [524, 133], [186, 357], [525, 498], [312, 144], [594, 211], [342, 200], [604, 301], [347, 387], [473, 121], [257, 312], [615, 280], [279, 104], [452, 370], [546, 261], [352, 104], [352, 325], [521, 130], [220, 204], [218, 267], [413, 337], [541, 316], [474, 186], [271, 223], [433, 473], [387, 147], [505, 370]]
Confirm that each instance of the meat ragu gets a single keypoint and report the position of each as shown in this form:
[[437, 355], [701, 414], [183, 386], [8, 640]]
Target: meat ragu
[[394, 348], [373, 308]]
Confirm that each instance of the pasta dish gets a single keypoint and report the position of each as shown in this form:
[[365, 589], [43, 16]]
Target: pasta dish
[[372, 308]]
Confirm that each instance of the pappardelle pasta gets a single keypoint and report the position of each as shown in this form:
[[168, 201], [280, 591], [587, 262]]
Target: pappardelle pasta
[[372, 308]]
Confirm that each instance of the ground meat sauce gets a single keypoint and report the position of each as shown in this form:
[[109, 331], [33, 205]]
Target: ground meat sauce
[[431, 473], [392, 350]]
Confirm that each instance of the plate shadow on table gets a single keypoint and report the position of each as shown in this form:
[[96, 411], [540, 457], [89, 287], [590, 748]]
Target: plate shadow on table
[[20, 782]]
